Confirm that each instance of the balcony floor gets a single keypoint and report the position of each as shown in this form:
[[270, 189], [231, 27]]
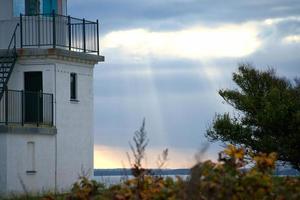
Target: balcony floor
[[28, 129], [57, 53]]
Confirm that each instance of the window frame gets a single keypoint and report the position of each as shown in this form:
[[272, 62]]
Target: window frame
[[31, 159], [28, 5], [43, 7], [73, 87]]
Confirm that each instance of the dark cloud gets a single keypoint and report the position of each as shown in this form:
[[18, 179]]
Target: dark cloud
[[174, 14]]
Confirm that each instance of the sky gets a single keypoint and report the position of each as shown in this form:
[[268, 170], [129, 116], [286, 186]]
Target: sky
[[166, 61]]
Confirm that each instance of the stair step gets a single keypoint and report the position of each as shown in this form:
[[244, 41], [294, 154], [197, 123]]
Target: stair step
[[7, 59], [5, 67], [7, 63]]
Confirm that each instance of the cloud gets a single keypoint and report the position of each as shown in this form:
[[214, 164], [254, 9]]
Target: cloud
[[274, 21], [166, 60], [199, 43], [292, 39], [174, 14], [177, 94]]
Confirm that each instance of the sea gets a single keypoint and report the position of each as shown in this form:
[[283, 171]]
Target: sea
[[116, 176]]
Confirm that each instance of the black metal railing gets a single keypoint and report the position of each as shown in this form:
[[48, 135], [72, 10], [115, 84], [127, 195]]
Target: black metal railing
[[59, 31], [11, 50], [22, 107], [7, 61]]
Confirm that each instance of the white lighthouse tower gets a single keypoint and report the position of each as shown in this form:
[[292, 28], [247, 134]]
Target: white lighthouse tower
[[46, 95]]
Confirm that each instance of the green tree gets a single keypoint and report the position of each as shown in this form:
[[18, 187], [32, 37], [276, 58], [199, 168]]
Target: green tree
[[267, 117]]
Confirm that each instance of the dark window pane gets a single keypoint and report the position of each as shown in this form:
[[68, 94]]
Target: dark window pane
[[73, 80], [49, 6], [32, 7]]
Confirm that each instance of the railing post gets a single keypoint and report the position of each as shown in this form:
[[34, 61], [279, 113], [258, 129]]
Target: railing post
[[22, 106], [98, 52], [15, 38], [15, 42], [21, 30], [6, 105], [70, 35], [84, 41], [52, 110], [54, 29], [38, 109], [39, 30]]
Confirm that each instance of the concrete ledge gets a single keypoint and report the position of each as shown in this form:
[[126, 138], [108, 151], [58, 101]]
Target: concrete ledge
[[57, 53], [60, 54], [27, 130]]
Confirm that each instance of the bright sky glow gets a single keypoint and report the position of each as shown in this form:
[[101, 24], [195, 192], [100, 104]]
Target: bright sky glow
[[197, 43], [292, 39], [109, 157], [274, 21]]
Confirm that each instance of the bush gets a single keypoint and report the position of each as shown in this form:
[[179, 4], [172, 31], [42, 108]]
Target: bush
[[226, 179]]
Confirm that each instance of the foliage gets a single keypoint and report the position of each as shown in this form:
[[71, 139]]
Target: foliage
[[268, 114], [142, 177], [141, 141], [239, 174], [84, 189], [226, 179]]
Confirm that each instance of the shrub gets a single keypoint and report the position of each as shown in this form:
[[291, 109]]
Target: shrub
[[226, 179]]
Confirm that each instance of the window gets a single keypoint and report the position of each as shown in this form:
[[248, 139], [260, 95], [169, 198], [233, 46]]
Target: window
[[73, 86], [32, 7], [30, 158], [49, 6], [19, 7]]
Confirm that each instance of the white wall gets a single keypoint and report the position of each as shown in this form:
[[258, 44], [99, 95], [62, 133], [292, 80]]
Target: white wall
[[44, 178], [16, 80], [73, 120], [6, 31], [3, 164], [74, 123], [7, 22], [6, 9]]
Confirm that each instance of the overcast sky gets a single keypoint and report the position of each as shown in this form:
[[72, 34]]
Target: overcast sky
[[166, 60]]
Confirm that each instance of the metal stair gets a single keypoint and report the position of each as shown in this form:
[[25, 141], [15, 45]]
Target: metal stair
[[8, 60]]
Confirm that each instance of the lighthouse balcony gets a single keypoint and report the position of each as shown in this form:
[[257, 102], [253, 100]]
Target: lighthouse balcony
[[52, 31], [59, 31], [23, 108]]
